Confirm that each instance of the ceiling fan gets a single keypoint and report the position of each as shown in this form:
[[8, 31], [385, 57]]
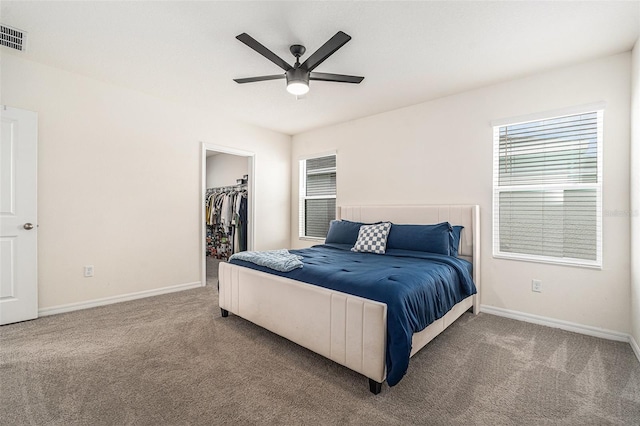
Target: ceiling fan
[[298, 75]]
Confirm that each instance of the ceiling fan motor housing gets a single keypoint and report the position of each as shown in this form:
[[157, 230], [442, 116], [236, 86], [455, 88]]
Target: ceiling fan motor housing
[[297, 81], [297, 75]]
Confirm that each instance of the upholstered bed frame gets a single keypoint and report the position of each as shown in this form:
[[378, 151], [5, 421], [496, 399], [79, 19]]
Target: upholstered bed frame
[[347, 329]]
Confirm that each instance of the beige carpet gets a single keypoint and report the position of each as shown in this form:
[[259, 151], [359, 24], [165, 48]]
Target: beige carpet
[[173, 360]]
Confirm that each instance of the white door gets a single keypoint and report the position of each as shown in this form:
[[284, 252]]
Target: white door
[[18, 215]]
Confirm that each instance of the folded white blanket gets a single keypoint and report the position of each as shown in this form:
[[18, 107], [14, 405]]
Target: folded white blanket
[[280, 260]]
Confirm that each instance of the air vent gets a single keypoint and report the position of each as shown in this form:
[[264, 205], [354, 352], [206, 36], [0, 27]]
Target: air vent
[[13, 38]]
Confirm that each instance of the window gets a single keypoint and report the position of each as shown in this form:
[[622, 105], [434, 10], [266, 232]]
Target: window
[[547, 189], [317, 195]]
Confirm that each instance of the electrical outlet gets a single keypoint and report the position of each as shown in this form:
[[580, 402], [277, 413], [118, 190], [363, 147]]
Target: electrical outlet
[[88, 271], [536, 285]]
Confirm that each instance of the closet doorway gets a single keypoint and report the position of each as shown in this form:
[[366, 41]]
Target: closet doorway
[[228, 177]]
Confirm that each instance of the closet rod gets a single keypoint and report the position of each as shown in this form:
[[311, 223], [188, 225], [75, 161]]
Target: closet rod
[[224, 188]]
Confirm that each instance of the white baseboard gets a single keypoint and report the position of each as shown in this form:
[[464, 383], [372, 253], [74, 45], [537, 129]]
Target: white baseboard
[[555, 323], [115, 299], [634, 346]]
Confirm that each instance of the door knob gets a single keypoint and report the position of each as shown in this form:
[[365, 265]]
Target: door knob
[[28, 226]]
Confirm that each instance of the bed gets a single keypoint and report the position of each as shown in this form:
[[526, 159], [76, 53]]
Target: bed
[[346, 328]]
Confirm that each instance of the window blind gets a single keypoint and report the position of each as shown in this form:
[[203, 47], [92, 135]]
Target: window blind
[[547, 189], [318, 214], [318, 195]]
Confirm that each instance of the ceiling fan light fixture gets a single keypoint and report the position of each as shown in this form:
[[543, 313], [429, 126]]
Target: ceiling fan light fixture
[[297, 81], [297, 88]]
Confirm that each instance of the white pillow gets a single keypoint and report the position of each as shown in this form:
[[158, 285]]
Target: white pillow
[[372, 238]]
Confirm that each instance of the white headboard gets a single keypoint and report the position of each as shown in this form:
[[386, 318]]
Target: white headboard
[[465, 215]]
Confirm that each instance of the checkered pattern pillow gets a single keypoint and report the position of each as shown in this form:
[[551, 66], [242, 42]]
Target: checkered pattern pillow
[[373, 238]]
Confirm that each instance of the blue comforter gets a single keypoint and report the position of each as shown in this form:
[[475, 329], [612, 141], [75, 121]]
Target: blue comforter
[[417, 287]]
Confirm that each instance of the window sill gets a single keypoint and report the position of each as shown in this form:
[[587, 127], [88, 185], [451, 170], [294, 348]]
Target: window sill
[[549, 261], [311, 239]]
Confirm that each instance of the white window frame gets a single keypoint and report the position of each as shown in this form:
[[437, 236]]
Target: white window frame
[[497, 189], [302, 191]]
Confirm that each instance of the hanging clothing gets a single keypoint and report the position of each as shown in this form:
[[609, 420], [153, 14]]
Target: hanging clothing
[[226, 220]]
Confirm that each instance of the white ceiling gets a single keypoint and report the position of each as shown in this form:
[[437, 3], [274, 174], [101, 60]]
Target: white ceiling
[[409, 52]]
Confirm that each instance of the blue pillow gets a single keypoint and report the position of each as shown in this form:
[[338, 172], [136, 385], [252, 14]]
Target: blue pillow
[[454, 240], [343, 232], [428, 238]]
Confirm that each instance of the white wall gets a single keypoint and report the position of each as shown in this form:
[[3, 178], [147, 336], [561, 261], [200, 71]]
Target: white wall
[[635, 194], [225, 169], [119, 183], [441, 152]]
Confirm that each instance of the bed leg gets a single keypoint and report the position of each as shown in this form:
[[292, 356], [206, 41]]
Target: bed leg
[[374, 387], [224, 313]]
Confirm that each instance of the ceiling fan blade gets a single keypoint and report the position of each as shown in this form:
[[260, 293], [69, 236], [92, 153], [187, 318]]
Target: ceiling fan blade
[[255, 45], [261, 78], [323, 76], [326, 50]]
